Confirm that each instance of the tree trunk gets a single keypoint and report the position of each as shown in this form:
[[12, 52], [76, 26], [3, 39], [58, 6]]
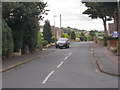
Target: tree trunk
[[105, 26]]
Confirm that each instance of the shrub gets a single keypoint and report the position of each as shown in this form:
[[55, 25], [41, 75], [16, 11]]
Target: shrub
[[105, 41], [7, 41], [54, 39], [89, 38], [40, 38], [44, 42], [65, 35], [77, 40], [114, 49]]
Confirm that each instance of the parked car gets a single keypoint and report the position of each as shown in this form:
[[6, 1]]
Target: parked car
[[62, 42]]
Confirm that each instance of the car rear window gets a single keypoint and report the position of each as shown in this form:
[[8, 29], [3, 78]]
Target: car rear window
[[63, 39]]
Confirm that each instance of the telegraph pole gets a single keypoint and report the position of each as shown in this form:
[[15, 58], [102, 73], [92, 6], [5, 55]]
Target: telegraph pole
[[60, 20], [54, 19]]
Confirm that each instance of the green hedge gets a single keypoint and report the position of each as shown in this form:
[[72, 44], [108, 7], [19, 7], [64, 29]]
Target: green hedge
[[44, 42], [7, 40]]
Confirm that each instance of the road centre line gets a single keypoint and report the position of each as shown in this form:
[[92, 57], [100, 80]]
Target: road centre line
[[48, 76], [60, 64], [45, 80], [65, 58], [69, 53]]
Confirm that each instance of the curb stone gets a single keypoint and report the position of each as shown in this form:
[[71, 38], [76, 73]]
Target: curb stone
[[100, 66]]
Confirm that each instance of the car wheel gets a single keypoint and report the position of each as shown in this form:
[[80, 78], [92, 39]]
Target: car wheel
[[66, 47], [56, 46], [60, 47]]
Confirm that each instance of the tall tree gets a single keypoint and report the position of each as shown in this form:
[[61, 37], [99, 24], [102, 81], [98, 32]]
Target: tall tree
[[23, 19], [47, 34], [100, 10]]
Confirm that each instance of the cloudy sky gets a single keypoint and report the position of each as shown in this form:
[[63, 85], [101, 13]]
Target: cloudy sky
[[71, 15]]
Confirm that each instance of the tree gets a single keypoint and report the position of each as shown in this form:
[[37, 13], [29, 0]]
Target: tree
[[47, 34], [7, 40], [100, 10], [73, 35], [92, 33], [23, 19]]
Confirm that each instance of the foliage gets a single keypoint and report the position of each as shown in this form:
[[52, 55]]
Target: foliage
[[40, 39], [7, 40], [65, 35], [92, 33], [104, 42], [47, 34], [89, 38], [77, 39], [23, 18], [73, 35], [101, 10], [82, 34], [114, 49], [54, 39], [44, 43]]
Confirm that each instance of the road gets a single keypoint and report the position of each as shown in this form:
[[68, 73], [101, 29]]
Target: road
[[64, 68]]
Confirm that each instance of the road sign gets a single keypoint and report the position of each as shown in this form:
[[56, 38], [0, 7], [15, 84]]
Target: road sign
[[115, 34]]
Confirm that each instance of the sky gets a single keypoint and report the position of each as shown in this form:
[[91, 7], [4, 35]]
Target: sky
[[71, 15]]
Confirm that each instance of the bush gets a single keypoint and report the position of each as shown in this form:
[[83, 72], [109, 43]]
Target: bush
[[89, 38], [7, 41], [104, 42], [114, 49], [65, 35], [77, 40], [54, 39], [44, 42], [40, 38]]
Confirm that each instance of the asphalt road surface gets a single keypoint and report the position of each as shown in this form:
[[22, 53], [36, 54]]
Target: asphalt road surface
[[64, 68]]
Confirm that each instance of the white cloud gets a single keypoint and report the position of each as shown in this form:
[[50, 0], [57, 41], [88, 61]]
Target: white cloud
[[71, 11]]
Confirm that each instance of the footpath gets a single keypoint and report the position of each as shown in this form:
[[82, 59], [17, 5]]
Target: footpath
[[106, 60], [16, 61]]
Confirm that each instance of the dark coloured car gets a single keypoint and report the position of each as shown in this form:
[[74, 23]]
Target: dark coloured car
[[62, 42]]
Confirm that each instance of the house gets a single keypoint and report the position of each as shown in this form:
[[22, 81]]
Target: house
[[57, 31]]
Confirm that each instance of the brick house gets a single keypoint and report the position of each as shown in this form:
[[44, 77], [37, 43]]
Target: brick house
[[57, 31]]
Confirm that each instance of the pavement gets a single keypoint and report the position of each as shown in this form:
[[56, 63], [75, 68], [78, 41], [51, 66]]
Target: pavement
[[16, 61], [106, 60]]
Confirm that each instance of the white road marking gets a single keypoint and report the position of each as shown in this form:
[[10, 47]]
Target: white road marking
[[65, 58], [69, 53], [45, 80], [60, 64]]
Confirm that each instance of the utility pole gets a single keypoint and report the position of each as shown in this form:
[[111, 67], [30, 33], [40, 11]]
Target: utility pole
[[54, 19], [60, 20]]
